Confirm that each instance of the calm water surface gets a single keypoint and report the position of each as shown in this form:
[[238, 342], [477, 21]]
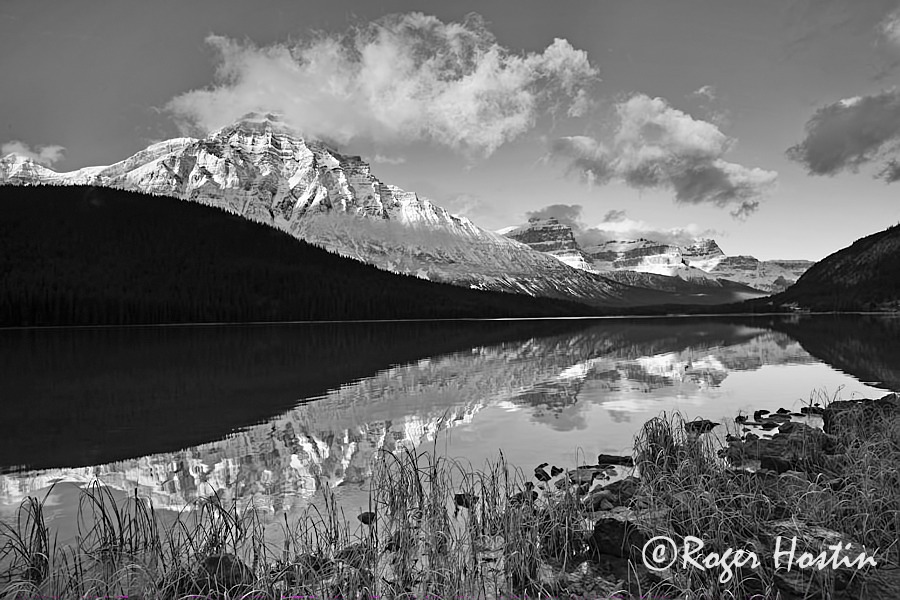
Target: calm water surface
[[275, 414]]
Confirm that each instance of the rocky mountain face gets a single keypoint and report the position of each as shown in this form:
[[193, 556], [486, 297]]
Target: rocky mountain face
[[863, 276], [15, 168], [645, 256], [653, 257], [259, 169], [702, 262], [553, 238]]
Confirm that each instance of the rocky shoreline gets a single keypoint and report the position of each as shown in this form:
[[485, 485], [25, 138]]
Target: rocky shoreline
[[781, 497]]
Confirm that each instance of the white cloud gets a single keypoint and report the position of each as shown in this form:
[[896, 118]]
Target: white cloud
[[657, 146], [567, 214], [404, 77], [616, 225], [849, 102], [45, 155]]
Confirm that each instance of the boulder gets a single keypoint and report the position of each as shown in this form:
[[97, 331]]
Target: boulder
[[620, 532], [617, 537], [610, 459]]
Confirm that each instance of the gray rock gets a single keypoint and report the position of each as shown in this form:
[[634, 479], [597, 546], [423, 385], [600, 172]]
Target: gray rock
[[617, 537]]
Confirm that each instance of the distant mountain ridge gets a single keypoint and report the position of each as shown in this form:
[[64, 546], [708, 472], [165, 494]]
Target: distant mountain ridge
[[258, 168], [701, 260]]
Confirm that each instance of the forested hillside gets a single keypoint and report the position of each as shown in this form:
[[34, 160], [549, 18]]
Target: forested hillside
[[863, 276], [72, 255]]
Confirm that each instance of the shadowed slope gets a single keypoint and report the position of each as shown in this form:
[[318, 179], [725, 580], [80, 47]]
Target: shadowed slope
[[87, 256], [863, 276]]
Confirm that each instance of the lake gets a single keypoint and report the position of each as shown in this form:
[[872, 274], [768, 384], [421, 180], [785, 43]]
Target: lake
[[274, 414]]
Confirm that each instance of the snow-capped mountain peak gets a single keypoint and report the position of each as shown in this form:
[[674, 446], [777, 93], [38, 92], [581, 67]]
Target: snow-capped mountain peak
[[259, 168], [17, 166]]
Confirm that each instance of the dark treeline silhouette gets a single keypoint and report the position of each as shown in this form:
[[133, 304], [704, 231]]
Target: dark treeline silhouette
[[863, 276], [81, 255]]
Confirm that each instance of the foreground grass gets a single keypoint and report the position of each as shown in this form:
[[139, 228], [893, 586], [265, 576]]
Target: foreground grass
[[438, 529], [851, 495]]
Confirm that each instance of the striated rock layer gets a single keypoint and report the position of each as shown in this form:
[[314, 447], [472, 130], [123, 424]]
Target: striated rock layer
[[551, 237], [703, 262]]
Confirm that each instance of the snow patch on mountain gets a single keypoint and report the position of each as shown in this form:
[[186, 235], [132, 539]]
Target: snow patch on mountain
[[702, 261]]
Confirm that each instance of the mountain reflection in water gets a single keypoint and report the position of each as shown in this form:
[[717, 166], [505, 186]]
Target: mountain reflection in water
[[536, 391]]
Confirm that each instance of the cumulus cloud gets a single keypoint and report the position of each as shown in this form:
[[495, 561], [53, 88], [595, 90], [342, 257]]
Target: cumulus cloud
[[403, 77], [657, 146], [850, 133], [586, 157], [45, 155]]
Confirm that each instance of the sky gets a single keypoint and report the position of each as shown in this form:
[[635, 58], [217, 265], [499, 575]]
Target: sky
[[769, 125]]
